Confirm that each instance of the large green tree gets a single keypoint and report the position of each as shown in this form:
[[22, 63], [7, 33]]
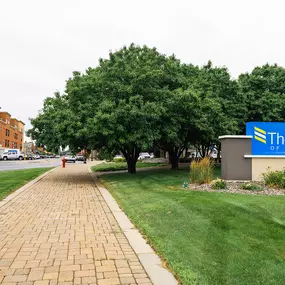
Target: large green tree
[[264, 89], [51, 128], [205, 105], [118, 104], [138, 98], [222, 108]]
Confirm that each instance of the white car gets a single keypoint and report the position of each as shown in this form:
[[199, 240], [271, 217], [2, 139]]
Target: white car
[[13, 154], [70, 158], [144, 155]]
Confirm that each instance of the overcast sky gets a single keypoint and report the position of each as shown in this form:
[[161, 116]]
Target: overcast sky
[[42, 42]]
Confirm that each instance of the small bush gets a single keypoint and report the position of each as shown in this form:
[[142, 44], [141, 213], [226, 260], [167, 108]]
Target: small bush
[[115, 166], [275, 178], [251, 186], [109, 166], [119, 159], [105, 154], [219, 184], [201, 171]]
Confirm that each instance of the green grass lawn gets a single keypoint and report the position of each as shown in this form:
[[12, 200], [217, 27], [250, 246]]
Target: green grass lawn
[[206, 238], [115, 166], [11, 180]]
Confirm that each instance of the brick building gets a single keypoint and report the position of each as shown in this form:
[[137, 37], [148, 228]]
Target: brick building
[[11, 132]]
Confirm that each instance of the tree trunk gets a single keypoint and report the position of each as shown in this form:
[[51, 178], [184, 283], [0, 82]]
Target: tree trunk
[[173, 159], [132, 166], [131, 155]]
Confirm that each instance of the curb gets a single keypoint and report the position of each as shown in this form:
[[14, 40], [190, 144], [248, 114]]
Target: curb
[[148, 258], [23, 188]]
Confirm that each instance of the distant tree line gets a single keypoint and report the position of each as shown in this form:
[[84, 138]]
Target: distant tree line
[[139, 98]]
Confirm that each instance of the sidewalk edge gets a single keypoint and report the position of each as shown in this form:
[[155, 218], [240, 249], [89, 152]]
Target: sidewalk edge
[[151, 262], [23, 188]]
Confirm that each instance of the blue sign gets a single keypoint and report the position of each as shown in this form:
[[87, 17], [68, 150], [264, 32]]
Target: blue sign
[[267, 138]]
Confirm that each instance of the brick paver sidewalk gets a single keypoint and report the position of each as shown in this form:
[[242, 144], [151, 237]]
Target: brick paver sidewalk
[[60, 231]]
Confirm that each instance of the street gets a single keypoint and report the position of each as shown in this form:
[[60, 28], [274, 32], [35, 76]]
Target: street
[[16, 164]]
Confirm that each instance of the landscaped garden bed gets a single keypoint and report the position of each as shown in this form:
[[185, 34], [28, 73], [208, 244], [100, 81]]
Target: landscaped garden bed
[[236, 187], [202, 179]]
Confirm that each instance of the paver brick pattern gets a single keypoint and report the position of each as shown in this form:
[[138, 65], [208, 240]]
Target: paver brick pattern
[[61, 231]]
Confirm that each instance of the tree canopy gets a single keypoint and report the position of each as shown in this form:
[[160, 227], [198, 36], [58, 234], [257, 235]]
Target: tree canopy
[[264, 91], [138, 98]]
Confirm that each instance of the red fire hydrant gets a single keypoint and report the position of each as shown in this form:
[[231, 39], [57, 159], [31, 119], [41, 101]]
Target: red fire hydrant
[[63, 162]]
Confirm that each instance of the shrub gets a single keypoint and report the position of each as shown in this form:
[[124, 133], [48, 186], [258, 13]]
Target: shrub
[[115, 166], [251, 186], [119, 159], [105, 154], [109, 166], [201, 171], [274, 178], [219, 184]]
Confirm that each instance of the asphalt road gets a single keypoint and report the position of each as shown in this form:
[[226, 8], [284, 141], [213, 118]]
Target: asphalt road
[[16, 164]]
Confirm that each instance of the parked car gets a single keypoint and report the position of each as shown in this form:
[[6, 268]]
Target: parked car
[[37, 156], [30, 156], [13, 154], [70, 158], [214, 154], [79, 158], [144, 155]]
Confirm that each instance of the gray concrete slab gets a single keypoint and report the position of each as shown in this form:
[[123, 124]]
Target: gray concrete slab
[[137, 242], [153, 266]]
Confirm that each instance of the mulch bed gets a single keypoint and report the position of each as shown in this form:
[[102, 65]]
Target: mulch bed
[[234, 187]]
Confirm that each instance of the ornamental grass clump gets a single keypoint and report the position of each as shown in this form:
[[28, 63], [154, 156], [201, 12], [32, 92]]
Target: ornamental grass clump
[[201, 172], [274, 178]]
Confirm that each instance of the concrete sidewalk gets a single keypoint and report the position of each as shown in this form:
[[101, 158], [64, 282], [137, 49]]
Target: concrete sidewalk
[[61, 231]]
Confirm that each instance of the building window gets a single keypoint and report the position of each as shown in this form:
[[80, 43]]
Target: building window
[[15, 145], [7, 133], [7, 143], [15, 136]]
